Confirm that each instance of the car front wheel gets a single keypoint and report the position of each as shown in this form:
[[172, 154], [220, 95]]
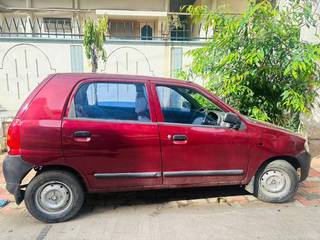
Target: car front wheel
[[54, 196], [277, 182]]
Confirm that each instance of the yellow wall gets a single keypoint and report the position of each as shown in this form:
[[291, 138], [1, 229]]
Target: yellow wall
[[226, 6], [150, 5], [230, 6]]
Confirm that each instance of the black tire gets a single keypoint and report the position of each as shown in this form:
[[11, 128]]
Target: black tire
[[279, 171], [70, 188]]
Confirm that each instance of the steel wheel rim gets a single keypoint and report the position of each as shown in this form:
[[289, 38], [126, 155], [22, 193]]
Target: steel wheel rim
[[275, 181], [54, 198]]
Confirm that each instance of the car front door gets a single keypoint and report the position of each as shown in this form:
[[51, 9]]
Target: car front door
[[109, 134], [197, 146]]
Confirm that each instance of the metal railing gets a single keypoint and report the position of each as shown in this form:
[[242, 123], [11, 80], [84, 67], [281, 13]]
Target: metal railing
[[72, 29], [38, 27]]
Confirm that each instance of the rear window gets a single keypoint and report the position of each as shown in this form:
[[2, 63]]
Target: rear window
[[111, 101]]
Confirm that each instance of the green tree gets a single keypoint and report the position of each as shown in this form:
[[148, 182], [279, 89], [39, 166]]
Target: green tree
[[93, 40], [257, 61]]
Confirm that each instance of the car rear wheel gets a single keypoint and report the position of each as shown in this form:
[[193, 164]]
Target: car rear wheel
[[54, 196], [277, 182]]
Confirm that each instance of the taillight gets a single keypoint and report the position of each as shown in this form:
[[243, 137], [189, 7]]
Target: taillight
[[13, 137]]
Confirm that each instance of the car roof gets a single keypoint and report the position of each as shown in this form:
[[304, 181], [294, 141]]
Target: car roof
[[81, 76]]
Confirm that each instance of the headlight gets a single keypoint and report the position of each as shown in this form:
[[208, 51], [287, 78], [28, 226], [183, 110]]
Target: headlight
[[306, 146]]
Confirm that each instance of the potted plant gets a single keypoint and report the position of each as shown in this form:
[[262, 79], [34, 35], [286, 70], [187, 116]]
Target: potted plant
[[171, 22]]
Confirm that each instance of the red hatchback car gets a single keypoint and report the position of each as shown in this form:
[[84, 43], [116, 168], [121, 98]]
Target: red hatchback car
[[102, 133]]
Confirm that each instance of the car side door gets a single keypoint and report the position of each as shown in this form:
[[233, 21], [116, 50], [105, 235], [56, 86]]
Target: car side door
[[195, 148], [109, 133]]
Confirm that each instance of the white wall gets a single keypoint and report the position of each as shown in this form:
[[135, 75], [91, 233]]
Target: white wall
[[23, 65], [312, 34], [309, 34]]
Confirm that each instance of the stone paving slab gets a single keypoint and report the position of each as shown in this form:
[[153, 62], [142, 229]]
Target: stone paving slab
[[233, 196]]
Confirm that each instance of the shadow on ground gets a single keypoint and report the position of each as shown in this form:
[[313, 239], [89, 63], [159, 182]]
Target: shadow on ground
[[115, 200]]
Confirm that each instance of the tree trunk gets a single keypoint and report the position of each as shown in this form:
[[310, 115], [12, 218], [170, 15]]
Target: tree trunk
[[94, 61]]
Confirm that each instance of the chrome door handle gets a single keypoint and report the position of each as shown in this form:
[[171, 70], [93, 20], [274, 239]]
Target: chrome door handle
[[179, 139], [82, 136]]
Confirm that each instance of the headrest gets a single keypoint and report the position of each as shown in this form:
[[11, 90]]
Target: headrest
[[141, 104]]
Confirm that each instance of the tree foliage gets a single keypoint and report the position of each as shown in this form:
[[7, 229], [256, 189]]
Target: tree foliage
[[257, 61], [93, 40]]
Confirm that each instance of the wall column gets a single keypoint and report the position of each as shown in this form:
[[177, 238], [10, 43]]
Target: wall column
[[167, 5], [29, 16], [28, 3], [75, 4]]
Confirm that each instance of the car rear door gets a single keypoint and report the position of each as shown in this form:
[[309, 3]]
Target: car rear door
[[109, 134], [193, 153]]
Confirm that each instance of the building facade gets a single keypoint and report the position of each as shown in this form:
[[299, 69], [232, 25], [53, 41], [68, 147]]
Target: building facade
[[39, 37]]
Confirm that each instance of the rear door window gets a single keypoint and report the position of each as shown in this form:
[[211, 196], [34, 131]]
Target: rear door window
[[111, 101]]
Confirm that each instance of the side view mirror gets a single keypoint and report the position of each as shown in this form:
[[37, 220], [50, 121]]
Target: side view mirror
[[233, 120]]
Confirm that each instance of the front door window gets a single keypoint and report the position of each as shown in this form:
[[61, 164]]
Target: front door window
[[187, 106]]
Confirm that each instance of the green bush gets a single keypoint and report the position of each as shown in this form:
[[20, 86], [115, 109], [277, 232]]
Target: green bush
[[257, 62]]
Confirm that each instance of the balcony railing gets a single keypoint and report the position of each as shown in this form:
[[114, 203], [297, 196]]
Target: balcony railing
[[39, 27], [68, 28]]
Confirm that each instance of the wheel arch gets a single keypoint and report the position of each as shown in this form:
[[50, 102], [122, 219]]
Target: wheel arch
[[83, 181], [290, 159]]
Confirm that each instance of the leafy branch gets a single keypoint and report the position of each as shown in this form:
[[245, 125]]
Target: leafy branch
[[93, 40], [257, 61]]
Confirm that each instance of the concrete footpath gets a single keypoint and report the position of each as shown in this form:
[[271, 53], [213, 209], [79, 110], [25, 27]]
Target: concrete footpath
[[169, 221], [202, 213]]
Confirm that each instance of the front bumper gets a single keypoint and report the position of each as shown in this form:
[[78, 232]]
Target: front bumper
[[304, 160], [14, 170]]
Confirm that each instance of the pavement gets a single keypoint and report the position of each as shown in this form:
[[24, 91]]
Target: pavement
[[201, 213]]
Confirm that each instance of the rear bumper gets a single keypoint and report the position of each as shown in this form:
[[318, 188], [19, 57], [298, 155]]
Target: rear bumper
[[304, 160], [14, 170]]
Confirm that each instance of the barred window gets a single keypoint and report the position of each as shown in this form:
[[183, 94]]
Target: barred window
[[57, 24]]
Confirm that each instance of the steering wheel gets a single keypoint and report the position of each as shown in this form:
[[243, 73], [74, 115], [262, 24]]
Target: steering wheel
[[209, 117], [204, 112]]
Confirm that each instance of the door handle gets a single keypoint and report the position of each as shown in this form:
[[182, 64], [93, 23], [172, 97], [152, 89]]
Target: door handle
[[82, 136], [179, 139]]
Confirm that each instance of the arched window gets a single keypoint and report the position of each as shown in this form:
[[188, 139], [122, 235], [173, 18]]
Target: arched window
[[146, 32]]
